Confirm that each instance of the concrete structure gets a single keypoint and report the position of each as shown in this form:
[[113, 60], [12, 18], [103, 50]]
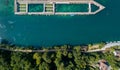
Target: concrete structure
[[111, 44], [117, 53], [53, 2]]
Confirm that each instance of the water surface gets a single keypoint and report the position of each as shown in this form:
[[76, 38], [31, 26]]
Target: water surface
[[58, 30]]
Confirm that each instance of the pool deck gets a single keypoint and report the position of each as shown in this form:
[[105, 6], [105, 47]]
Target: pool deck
[[53, 2]]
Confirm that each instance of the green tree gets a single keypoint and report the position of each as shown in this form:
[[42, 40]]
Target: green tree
[[79, 60], [43, 66], [46, 57], [70, 55], [37, 57], [18, 62], [70, 66], [3, 64]]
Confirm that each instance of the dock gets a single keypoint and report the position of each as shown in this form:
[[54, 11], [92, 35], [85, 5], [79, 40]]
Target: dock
[[49, 6]]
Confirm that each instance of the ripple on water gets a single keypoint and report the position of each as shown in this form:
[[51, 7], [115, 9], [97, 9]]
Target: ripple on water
[[11, 22], [2, 26]]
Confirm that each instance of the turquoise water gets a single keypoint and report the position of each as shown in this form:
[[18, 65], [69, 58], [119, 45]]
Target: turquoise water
[[35, 8], [58, 30], [71, 7]]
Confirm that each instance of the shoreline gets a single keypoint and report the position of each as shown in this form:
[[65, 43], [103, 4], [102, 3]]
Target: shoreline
[[92, 47], [53, 57]]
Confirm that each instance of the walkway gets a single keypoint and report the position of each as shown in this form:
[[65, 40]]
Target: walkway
[[108, 45], [111, 44], [17, 3], [19, 50]]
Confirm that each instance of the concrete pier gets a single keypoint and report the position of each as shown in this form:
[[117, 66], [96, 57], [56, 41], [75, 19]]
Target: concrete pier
[[54, 8], [51, 10], [15, 6], [26, 7], [44, 7], [89, 7]]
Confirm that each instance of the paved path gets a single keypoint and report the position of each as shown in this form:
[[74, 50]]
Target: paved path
[[108, 45], [19, 50], [111, 44]]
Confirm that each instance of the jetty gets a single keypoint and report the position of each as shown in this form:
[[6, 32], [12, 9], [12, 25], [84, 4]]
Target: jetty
[[49, 7]]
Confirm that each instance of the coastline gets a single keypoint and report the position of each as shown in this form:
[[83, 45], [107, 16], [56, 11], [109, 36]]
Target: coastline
[[93, 47], [15, 57]]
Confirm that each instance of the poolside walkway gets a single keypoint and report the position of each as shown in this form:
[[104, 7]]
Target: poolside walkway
[[17, 9]]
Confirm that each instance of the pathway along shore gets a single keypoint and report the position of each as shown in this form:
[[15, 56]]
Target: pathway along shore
[[108, 45], [18, 50]]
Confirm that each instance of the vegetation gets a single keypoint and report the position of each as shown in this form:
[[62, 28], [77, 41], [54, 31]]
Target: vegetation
[[69, 58], [96, 46]]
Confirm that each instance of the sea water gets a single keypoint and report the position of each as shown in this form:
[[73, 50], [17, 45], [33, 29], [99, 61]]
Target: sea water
[[40, 30]]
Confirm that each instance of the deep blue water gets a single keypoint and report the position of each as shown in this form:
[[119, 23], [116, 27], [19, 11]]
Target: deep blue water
[[58, 30]]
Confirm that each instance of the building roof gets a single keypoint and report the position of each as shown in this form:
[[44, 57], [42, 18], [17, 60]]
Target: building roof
[[103, 65], [117, 53]]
